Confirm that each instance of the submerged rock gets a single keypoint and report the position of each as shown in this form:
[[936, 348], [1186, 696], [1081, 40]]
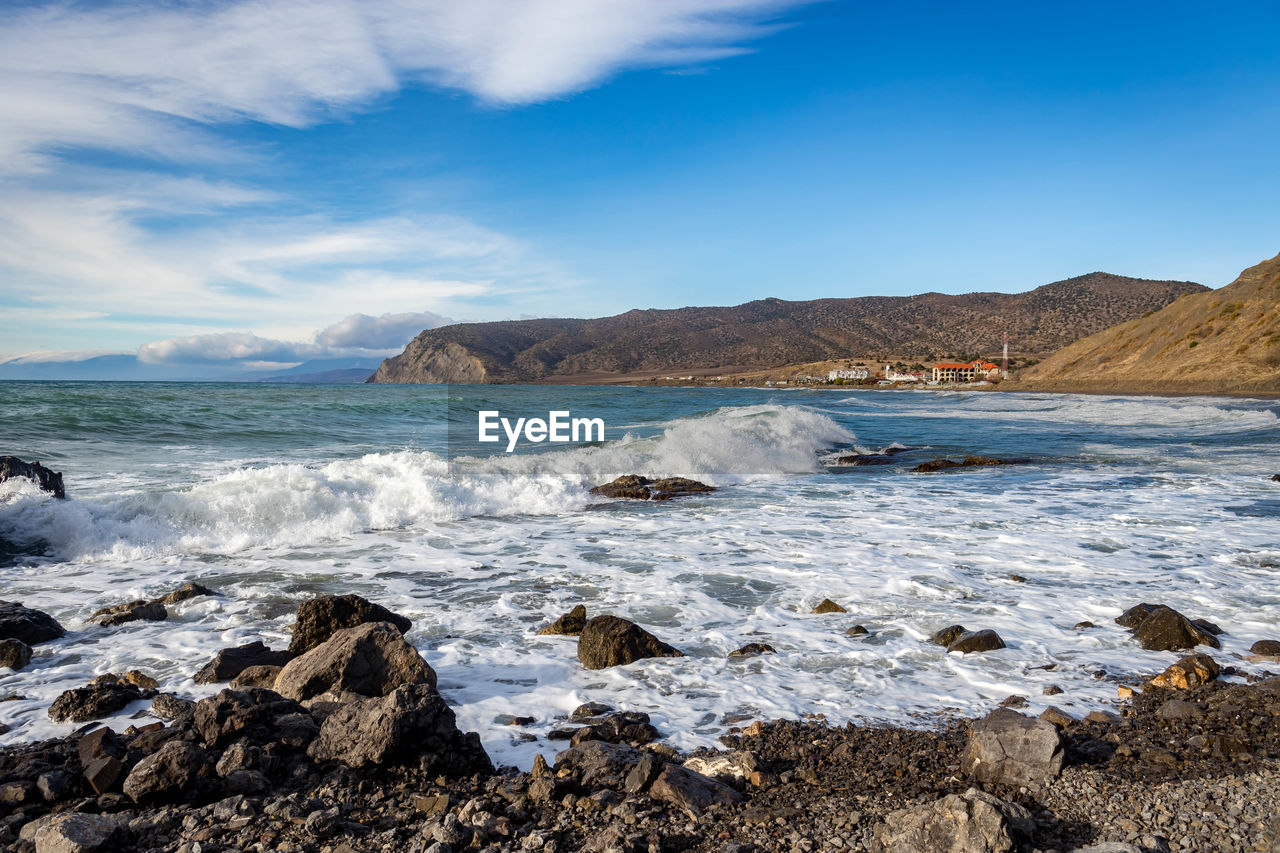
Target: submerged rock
[[828, 606], [639, 488], [372, 659], [968, 462], [752, 650], [611, 641], [228, 663], [570, 624], [976, 641], [190, 589], [1009, 748], [28, 625], [132, 611], [11, 467], [948, 635], [320, 618]]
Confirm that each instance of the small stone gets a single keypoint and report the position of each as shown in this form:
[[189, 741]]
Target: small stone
[[1124, 692], [1014, 701], [752, 650], [1052, 690], [190, 589], [857, 631], [828, 606], [977, 641], [14, 654], [1081, 626]]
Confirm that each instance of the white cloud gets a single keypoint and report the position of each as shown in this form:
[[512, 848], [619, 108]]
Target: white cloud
[[390, 331], [226, 346]]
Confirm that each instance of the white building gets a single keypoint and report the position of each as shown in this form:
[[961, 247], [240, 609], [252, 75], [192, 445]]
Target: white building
[[852, 373]]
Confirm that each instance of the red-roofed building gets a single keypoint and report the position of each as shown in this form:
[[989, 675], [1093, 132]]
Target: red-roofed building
[[949, 371]]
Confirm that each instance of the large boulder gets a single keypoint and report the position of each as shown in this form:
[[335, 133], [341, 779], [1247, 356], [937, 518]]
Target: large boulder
[[228, 663], [610, 641], [371, 659], [165, 774], [251, 713], [973, 823], [96, 700], [689, 791], [29, 626], [130, 611], [1009, 748], [322, 617], [639, 488], [11, 467], [1165, 629], [74, 832], [411, 725]]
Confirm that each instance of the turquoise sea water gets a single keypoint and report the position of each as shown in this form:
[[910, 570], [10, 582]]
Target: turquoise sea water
[[272, 493]]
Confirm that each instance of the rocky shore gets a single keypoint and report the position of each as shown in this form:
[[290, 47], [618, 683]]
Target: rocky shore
[[342, 743]]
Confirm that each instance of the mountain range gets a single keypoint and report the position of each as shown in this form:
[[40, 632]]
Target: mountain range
[[774, 332]]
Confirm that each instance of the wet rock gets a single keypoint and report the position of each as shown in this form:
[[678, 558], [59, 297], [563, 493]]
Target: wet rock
[[14, 654], [973, 823], [11, 467], [588, 710], [165, 774], [976, 641], [135, 677], [969, 462], [934, 465], [1009, 748], [689, 791], [257, 676], [1191, 671], [322, 617], [371, 659], [1165, 629], [228, 663], [1052, 690], [630, 727], [132, 611], [234, 714], [1270, 648], [95, 701], [167, 706], [857, 631], [74, 832], [1135, 616], [753, 649], [410, 725], [948, 635], [610, 641], [190, 589], [29, 626], [570, 624], [1081, 626], [636, 487], [828, 606]]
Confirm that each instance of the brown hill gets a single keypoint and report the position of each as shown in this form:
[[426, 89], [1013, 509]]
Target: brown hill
[[771, 332], [1221, 341]]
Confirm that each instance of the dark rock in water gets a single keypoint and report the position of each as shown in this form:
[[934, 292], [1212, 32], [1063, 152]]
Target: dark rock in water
[[570, 624], [1168, 630], [235, 714], [1135, 616], [1207, 626], [12, 467], [166, 706], [29, 626], [753, 649], [1275, 478], [132, 611], [228, 663], [610, 641], [862, 459], [629, 727], [319, 618], [828, 606], [976, 641], [857, 631], [190, 589], [81, 704], [1008, 748], [1266, 647], [165, 774], [974, 823], [256, 676], [1017, 578], [934, 465], [1014, 701], [638, 488], [133, 676], [589, 710], [948, 635], [371, 659], [410, 725], [690, 792], [1080, 626], [14, 654], [1052, 690]]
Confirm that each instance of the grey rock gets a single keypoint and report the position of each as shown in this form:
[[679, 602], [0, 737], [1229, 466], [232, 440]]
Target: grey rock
[[1009, 748], [320, 618], [599, 764], [371, 659], [228, 663], [95, 701], [689, 791], [167, 706], [1178, 709], [610, 641], [257, 676], [14, 654], [28, 625], [166, 773], [973, 823], [55, 785], [73, 832], [642, 775], [235, 714]]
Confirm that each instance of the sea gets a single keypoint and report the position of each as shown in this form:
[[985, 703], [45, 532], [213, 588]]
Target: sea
[[272, 494]]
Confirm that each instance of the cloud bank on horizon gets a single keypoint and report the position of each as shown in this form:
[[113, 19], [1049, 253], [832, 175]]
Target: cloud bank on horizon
[[136, 208]]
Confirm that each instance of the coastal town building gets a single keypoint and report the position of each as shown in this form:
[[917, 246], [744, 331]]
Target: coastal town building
[[850, 373], [901, 376], [949, 371]]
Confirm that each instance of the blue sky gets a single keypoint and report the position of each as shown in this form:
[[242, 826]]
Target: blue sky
[[247, 184]]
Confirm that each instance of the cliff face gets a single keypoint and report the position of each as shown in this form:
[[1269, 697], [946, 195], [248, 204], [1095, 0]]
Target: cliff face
[[772, 333], [1225, 340]]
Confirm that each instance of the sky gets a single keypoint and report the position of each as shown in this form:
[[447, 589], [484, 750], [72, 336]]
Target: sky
[[234, 185]]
